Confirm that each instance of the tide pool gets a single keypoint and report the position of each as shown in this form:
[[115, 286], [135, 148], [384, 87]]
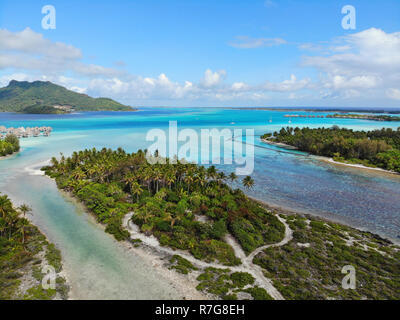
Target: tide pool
[[100, 268]]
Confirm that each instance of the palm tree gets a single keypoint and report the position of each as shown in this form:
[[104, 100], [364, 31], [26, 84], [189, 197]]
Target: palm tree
[[233, 176], [248, 182], [168, 217], [129, 179], [170, 179], [221, 177], [22, 225], [211, 172], [143, 215], [136, 189], [24, 209], [189, 178], [78, 174], [4, 206]]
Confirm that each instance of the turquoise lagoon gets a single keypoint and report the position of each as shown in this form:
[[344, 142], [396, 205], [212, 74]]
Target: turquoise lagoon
[[100, 268]]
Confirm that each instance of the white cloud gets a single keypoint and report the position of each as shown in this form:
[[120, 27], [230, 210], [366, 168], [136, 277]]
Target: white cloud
[[362, 82], [359, 66], [288, 85], [369, 59], [28, 41], [370, 51], [29, 50], [77, 89], [237, 86], [212, 79], [393, 93], [244, 42]]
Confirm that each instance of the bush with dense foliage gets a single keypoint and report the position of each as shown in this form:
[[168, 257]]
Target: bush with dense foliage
[[9, 145]]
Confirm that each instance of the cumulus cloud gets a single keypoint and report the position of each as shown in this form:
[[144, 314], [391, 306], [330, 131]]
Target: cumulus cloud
[[361, 65], [369, 59], [29, 50], [288, 85], [212, 79], [393, 93], [238, 86], [245, 42], [28, 41]]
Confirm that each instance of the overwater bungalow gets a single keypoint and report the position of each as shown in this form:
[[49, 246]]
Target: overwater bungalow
[[27, 132]]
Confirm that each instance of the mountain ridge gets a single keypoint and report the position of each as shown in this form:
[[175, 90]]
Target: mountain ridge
[[47, 97]]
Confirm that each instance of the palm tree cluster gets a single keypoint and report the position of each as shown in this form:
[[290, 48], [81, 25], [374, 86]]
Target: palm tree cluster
[[13, 224], [167, 200], [134, 170]]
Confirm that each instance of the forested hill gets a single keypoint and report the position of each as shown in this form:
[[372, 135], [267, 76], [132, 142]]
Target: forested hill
[[47, 97]]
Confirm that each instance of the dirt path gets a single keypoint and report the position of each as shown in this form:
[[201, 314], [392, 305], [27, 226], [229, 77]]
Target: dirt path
[[288, 237], [247, 261]]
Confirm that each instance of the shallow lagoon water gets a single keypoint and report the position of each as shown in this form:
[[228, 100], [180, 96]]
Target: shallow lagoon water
[[99, 267]]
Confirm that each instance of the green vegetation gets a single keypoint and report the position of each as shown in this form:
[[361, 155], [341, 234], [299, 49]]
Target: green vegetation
[[9, 145], [365, 117], [41, 109], [21, 244], [41, 97], [313, 271], [258, 293], [170, 201], [379, 148], [181, 265], [226, 285]]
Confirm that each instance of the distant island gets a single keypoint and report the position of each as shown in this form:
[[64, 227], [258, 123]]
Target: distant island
[[40, 97], [321, 109], [364, 117], [378, 148]]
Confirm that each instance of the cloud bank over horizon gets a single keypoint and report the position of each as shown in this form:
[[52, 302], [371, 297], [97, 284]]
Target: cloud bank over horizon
[[354, 70]]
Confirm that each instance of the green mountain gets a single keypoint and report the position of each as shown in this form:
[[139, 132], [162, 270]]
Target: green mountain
[[47, 97]]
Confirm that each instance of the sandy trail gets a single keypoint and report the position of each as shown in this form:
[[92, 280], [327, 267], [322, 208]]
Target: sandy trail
[[247, 261]]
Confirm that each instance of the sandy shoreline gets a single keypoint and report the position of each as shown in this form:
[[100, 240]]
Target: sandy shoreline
[[10, 155], [185, 285], [63, 273], [330, 160]]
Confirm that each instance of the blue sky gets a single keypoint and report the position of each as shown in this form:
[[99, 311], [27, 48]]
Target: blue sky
[[209, 53]]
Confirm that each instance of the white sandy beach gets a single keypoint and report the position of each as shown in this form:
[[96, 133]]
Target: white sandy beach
[[330, 160]]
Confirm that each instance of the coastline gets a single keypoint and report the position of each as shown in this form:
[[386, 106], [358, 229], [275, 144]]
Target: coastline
[[10, 155], [289, 211], [27, 279], [330, 160], [186, 286], [159, 261]]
